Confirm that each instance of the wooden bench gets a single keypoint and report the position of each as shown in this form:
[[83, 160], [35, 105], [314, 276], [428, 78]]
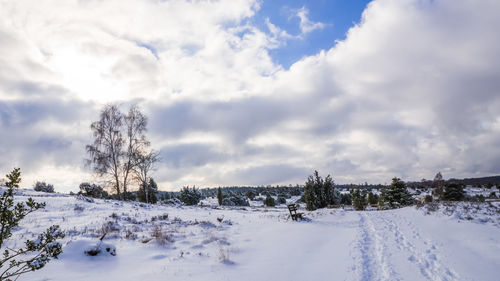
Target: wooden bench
[[293, 212]]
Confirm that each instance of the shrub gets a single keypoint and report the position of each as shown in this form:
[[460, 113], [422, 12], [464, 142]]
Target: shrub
[[92, 190], [269, 201], [36, 253], [235, 200], [251, 195], [43, 187], [190, 196], [428, 198], [280, 200], [453, 192]]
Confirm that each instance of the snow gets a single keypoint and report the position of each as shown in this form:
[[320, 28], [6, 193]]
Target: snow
[[155, 242]]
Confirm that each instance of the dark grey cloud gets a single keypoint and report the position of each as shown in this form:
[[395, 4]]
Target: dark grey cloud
[[238, 119], [187, 156], [43, 131]]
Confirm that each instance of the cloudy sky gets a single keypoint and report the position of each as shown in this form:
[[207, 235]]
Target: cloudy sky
[[255, 92]]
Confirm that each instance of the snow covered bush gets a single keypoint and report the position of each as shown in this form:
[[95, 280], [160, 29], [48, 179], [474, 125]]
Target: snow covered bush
[[35, 253], [43, 187], [101, 249], [235, 200], [280, 200], [92, 190], [190, 196]]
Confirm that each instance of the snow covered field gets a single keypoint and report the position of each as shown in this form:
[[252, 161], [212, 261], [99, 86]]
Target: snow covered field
[[257, 243]]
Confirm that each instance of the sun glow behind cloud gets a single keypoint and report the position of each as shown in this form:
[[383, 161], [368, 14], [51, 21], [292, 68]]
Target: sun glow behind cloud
[[89, 77]]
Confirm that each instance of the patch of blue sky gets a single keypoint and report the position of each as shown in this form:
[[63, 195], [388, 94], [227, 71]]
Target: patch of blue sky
[[337, 16]]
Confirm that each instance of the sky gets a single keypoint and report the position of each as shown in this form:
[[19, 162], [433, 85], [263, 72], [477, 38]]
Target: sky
[[249, 92]]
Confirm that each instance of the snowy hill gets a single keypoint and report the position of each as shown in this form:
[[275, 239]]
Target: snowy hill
[[254, 243]]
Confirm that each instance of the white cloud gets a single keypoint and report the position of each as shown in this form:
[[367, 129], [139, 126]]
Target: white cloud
[[306, 25], [412, 90]]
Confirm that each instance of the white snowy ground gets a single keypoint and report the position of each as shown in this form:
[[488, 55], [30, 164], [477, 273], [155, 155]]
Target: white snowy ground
[[255, 243]]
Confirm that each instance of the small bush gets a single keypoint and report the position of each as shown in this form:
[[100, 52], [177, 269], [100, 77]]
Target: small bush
[[41, 186], [269, 201], [281, 200], [235, 200], [160, 237], [92, 190]]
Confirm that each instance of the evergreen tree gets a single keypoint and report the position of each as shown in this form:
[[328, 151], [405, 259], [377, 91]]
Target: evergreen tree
[[372, 198], [328, 192], [190, 196], [309, 195], [453, 192], [397, 194], [36, 253], [319, 191], [359, 199], [219, 196], [14, 178], [269, 201], [346, 199]]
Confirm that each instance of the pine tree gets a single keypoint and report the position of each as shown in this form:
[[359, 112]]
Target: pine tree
[[359, 199], [309, 195], [397, 194], [14, 178], [372, 198], [219, 196], [453, 192], [319, 191], [269, 201], [328, 191], [190, 196], [36, 253]]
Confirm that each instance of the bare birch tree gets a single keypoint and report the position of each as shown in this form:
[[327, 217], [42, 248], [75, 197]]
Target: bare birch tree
[[106, 152], [118, 142], [136, 142]]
